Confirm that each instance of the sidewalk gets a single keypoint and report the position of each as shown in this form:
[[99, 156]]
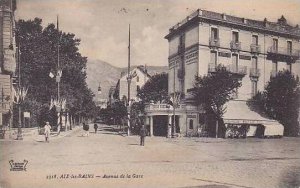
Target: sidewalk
[[33, 135], [55, 136]]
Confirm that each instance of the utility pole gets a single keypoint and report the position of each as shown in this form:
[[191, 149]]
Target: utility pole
[[58, 76], [128, 82], [174, 114], [58, 65], [19, 136]]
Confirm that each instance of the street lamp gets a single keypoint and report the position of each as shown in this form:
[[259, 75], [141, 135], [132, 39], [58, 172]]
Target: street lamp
[[19, 95]]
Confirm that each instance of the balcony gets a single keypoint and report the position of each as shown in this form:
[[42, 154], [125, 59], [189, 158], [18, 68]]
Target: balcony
[[254, 48], [254, 72], [214, 42], [283, 54], [163, 108], [239, 70], [235, 46]]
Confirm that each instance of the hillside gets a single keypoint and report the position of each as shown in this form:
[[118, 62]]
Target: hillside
[[107, 75]]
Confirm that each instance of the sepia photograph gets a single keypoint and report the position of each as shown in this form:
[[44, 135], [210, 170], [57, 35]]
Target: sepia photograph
[[149, 93]]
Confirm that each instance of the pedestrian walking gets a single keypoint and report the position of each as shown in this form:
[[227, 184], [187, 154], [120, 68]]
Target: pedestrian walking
[[47, 129], [142, 135], [95, 127], [86, 129], [199, 131]]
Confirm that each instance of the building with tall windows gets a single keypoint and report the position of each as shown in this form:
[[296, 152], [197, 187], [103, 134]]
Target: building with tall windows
[[139, 76], [253, 50], [7, 59]]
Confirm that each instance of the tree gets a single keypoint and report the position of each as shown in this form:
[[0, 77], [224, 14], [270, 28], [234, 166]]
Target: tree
[[213, 91], [39, 53], [281, 101], [155, 89]]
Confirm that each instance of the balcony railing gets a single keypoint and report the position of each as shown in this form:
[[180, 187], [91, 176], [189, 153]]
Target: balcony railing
[[162, 107], [241, 70], [254, 72], [235, 45], [214, 42], [254, 48], [284, 51]]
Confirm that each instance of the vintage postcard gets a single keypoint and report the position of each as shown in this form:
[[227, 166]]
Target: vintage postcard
[[149, 93]]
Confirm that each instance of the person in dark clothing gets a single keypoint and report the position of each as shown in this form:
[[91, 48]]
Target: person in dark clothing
[[95, 127], [142, 135]]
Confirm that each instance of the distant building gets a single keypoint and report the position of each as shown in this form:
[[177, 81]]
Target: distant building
[[252, 50], [7, 58], [112, 95], [140, 77], [102, 103]]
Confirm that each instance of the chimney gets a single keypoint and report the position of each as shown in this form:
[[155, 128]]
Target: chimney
[[224, 16], [265, 22]]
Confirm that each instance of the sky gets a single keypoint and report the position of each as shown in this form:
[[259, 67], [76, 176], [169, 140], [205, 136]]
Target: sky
[[102, 25]]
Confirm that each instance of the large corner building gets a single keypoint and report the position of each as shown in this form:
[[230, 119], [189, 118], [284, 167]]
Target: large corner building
[[251, 49], [7, 58]]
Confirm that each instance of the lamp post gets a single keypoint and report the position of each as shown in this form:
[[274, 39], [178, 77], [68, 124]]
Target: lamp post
[[19, 95], [175, 103], [128, 82], [58, 76]]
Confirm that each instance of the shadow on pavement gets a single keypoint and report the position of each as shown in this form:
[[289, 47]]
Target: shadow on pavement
[[208, 186], [221, 184]]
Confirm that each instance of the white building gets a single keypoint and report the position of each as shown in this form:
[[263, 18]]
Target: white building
[[7, 59], [140, 77], [251, 49]]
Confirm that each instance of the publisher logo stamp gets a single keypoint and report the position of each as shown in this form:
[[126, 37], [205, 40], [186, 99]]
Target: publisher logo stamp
[[18, 166]]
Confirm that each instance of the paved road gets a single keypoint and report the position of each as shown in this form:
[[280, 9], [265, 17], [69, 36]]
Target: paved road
[[102, 159]]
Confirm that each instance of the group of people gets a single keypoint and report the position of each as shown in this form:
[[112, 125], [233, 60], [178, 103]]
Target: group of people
[[86, 128], [47, 131]]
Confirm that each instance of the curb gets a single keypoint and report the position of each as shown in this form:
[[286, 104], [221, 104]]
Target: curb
[[55, 137], [38, 138]]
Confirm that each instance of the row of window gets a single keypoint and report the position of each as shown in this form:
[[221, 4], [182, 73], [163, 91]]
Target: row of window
[[235, 38], [235, 59]]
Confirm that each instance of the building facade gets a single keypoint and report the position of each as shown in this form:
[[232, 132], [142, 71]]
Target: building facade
[[7, 59], [139, 78], [251, 49], [102, 103]]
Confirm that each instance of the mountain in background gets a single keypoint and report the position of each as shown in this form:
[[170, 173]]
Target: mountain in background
[[108, 75]]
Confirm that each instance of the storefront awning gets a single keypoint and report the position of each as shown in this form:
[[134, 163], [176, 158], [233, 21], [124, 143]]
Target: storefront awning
[[238, 112]]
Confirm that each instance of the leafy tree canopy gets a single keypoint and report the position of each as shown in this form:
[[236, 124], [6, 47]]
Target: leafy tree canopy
[[39, 56], [155, 89], [281, 101], [214, 90]]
